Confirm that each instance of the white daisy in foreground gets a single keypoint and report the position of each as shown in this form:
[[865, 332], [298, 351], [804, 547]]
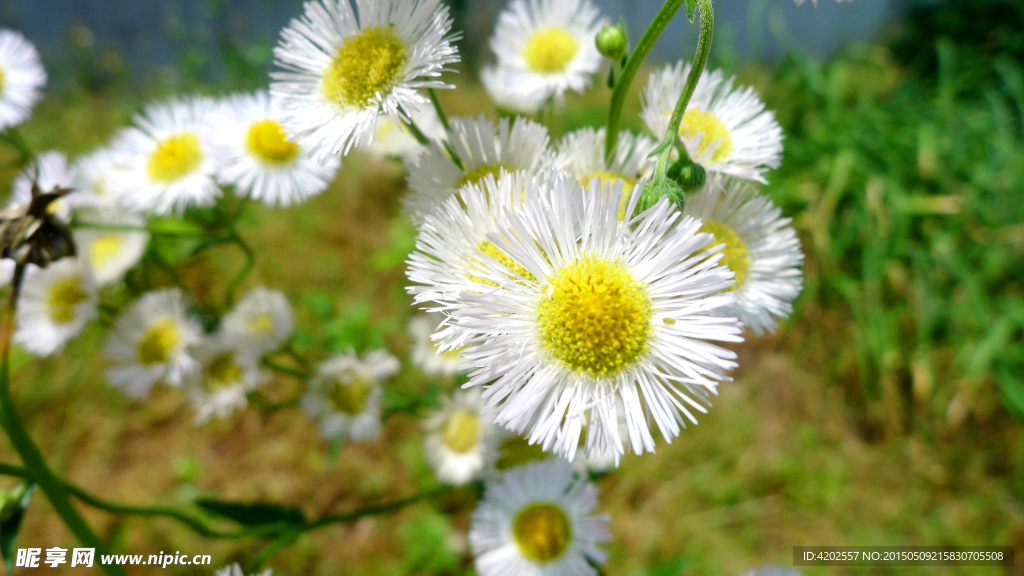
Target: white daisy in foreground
[[393, 139], [608, 318], [259, 323], [54, 306], [21, 78], [582, 154], [345, 395], [220, 386], [254, 154], [485, 148], [166, 159], [236, 570], [548, 46], [152, 341], [111, 252], [539, 520], [724, 129], [425, 353], [443, 264], [92, 179], [761, 248], [343, 71], [509, 96], [53, 172], [461, 443]]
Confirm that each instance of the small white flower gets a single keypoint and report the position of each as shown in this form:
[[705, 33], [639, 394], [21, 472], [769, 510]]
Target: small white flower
[[21, 78], [345, 395], [510, 96], [548, 46], [54, 172], [254, 154], [343, 71], [425, 353], [607, 317], [724, 129], [226, 375], [393, 139], [539, 520], [111, 253], [259, 323], [236, 570], [761, 248], [461, 442], [166, 159], [152, 340], [484, 148], [55, 304], [92, 179], [582, 154]]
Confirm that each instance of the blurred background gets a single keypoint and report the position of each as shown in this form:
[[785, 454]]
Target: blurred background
[[887, 411]]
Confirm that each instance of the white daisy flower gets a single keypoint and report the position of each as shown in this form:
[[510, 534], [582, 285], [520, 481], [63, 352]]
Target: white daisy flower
[[461, 442], [345, 395], [582, 154], [152, 340], [7, 267], [548, 46], [425, 353], [111, 253], [259, 323], [484, 148], [254, 154], [21, 78], [509, 96], [53, 172], [54, 306], [539, 520], [166, 159], [220, 386], [608, 317], [724, 129], [92, 179], [343, 71], [236, 570], [761, 248], [393, 139], [443, 264]]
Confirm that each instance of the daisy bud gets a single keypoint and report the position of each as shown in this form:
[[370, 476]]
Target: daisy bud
[[611, 41], [688, 174], [658, 187]]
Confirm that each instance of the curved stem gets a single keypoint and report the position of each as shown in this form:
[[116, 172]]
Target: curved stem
[[129, 228], [661, 20], [440, 109], [700, 60], [35, 464], [381, 509], [250, 263], [286, 370]]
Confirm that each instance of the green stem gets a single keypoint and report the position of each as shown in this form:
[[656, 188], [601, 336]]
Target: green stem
[[411, 124], [26, 448], [250, 263], [381, 509], [287, 371], [700, 60], [128, 228], [440, 109], [13, 137], [278, 544], [661, 20]]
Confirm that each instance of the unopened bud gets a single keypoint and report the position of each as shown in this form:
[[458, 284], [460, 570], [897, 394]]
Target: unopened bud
[[612, 41], [688, 174], [655, 189]]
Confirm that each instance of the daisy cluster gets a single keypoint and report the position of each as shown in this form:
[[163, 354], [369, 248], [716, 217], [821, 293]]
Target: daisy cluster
[[581, 323]]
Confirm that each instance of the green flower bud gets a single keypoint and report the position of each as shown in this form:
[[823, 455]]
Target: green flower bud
[[654, 190], [612, 41], [10, 501], [688, 174]]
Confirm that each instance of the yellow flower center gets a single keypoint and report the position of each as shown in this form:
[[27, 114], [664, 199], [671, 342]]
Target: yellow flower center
[[628, 182], [105, 248], [63, 297], [542, 532], [736, 256], [156, 344], [350, 397], [596, 318], [477, 174], [488, 247], [174, 157], [549, 50], [267, 140], [516, 451], [711, 128], [366, 63], [222, 371], [262, 324], [461, 432]]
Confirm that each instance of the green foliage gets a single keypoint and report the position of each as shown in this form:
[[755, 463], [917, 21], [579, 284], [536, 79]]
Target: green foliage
[[252, 513], [427, 540], [15, 503]]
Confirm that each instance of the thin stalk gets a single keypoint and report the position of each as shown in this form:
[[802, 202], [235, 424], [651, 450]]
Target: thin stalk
[[636, 58], [411, 124], [250, 263], [700, 60], [278, 544], [33, 459], [378, 510], [286, 370], [440, 109], [129, 228], [13, 137]]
